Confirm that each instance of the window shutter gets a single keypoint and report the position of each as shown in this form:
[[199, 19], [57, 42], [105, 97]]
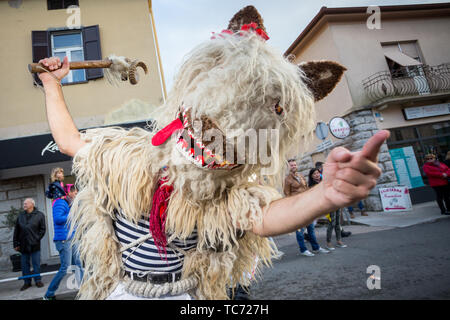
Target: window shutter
[[92, 50], [40, 43]]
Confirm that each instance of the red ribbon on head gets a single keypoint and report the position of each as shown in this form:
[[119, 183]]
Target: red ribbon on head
[[254, 27], [248, 27]]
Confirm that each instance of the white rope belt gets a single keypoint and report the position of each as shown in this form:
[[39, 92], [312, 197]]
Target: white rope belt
[[151, 290]]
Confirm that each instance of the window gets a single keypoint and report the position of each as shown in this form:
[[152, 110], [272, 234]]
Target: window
[[405, 65], [77, 45], [60, 4], [403, 58], [70, 45], [426, 138]]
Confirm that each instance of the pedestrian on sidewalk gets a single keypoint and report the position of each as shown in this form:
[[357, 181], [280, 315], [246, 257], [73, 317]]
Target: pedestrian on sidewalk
[[28, 232], [361, 208], [447, 159], [55, 189], [334, 218], [334, 222], [438, 174], [295, 183], [68, 251]]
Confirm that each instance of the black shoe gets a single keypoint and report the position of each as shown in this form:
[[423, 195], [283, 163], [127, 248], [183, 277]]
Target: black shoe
[[446, 213], [25, 286], [39, 284], [345, 234]]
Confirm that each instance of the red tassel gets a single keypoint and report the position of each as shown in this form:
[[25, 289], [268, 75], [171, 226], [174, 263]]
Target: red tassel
[[158, 214]]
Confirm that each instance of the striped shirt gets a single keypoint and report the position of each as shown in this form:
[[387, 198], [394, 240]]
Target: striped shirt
[[146, 256]]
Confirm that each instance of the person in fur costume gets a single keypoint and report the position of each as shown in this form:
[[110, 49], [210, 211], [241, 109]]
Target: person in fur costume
[[188, 184]]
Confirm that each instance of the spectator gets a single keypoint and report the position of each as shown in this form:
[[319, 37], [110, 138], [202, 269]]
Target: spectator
[[28, 232], [447, 159], [55, 189], [334, 222], [361, 208], [314, 177], [297, 185], [438, 173], [294, 183], [68, 252], [319, 165]]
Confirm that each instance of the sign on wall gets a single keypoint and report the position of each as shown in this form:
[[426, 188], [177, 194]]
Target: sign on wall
[[339, 128], [395, 199], [406, 167], [427, 111], [321, 130]]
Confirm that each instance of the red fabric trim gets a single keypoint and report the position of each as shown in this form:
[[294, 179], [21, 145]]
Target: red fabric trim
[[158, 214], [162, 135]]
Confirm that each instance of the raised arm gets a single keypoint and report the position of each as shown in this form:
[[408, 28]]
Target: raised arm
[[63, 129], [347, 178]]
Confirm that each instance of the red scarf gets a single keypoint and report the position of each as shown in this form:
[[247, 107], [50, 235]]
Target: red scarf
[[158, 214]]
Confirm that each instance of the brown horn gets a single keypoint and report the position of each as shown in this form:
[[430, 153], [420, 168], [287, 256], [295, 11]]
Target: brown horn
[[143, 66], [132, 73]]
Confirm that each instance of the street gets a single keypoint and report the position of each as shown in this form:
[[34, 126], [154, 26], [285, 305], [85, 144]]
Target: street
[[414, 263]]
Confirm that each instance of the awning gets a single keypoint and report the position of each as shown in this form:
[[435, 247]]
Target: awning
[[40, 149], [402, 59]]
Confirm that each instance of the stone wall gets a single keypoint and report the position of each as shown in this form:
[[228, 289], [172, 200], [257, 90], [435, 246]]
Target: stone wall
[[12, 194], [363, 126]]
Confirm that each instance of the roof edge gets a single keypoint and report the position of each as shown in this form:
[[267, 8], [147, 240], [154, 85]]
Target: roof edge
[[348, 10]]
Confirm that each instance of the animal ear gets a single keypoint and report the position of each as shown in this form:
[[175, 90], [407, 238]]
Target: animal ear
[[246, 15], [322, 76]]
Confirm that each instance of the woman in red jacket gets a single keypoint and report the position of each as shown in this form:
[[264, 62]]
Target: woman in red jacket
[[438, 174]]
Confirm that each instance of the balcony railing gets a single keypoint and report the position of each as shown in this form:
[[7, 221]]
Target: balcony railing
[[408, 81]]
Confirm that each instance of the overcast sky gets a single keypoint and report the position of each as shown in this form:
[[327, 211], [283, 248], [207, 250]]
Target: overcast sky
[[182, 24]]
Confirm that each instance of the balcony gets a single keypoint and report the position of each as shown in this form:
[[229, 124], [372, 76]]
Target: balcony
[[408, 81]]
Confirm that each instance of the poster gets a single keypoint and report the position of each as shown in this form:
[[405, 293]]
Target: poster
[[406, 167], [395, 199]]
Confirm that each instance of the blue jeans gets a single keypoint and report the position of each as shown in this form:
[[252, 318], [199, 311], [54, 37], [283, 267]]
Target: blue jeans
[[36, 261], [312, 238], [360, 206], [68, 255]]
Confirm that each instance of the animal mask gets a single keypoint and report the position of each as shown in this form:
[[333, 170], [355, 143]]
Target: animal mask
[[236, 85]]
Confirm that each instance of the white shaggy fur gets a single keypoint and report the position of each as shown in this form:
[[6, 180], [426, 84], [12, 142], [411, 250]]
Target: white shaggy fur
[[235, 80]]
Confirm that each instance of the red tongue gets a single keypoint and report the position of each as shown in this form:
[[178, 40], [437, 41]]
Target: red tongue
[[162, 135]]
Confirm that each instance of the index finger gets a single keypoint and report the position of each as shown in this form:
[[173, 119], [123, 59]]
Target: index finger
[[373, 145]]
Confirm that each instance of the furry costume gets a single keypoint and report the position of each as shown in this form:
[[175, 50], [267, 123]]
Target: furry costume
[[234, 81]]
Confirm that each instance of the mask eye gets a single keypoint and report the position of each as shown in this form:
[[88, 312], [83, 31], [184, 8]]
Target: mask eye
[[278, 109]]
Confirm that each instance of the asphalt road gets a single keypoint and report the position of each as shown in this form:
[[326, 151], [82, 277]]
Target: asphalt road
[[414, 263]]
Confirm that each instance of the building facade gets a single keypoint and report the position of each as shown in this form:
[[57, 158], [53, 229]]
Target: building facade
[[81, 30], [397, 78]]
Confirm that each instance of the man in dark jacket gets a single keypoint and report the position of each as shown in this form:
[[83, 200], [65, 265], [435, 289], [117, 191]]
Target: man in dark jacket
[[28, 232]]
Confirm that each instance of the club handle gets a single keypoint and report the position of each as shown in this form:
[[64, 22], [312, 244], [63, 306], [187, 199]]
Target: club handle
[[91, 64]]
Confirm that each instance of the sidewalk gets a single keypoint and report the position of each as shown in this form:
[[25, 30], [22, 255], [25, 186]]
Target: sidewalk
[[376, 221], [11, 290], [421, 213]]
